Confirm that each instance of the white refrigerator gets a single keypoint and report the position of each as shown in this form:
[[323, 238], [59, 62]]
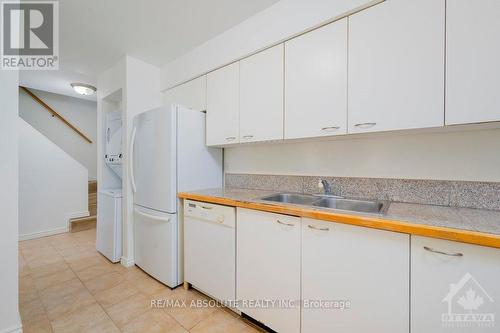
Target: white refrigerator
[[168, 155]]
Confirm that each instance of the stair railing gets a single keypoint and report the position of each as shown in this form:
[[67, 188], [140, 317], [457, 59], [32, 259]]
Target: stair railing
[[55, 114]]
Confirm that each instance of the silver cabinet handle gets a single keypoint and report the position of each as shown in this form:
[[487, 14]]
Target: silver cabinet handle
[[317, 228], [206, 207], [230, 138], [365, 125], [247, 136], [444, 253], [330, 128], [284, 223]]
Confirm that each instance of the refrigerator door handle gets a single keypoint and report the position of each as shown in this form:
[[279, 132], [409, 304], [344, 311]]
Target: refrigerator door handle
[[131, 160], [152, 217]]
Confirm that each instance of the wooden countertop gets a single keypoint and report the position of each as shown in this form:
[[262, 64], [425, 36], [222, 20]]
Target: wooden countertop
[[473, 226]]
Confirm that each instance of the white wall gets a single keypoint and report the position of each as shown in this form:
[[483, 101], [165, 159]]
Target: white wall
[[274, 24], [52, 185], [81, 113], [465, 155], [9, 304]]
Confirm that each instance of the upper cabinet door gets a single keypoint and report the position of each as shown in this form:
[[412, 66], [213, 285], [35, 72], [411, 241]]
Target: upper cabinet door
[[192, 94], [261, 96], [396, 66], [223, 105], [316, 82], [472, 61]]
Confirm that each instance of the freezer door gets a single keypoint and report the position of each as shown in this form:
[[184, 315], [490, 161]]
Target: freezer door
[[154, 158], [155, 244]]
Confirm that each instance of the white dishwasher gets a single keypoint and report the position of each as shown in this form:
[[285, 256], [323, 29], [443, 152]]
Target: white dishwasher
[[210, 249]]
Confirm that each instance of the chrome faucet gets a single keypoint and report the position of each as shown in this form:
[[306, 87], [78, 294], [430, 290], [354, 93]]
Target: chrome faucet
[[327, 187]]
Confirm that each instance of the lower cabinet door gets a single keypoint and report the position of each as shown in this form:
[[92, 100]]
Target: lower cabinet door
[[268, 269], [455, 287], [354, 279]]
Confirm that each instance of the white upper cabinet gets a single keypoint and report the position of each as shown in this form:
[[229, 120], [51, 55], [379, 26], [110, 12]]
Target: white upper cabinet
[[472, 61], [366, 268], [261, 96], [192, 94], [316, 82], [223, 105], [452, 285], [396, 66]]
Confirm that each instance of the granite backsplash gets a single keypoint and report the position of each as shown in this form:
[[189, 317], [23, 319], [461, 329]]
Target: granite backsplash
[[482, 195]]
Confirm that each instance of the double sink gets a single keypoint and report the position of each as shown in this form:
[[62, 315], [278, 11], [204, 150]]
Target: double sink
[[330, 202]]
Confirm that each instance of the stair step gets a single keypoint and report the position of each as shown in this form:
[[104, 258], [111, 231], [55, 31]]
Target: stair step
[[82, 223], [93, 209], [92, 186], [93, 199]]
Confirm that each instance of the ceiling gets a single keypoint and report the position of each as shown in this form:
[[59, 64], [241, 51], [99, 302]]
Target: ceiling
[[94, 34]]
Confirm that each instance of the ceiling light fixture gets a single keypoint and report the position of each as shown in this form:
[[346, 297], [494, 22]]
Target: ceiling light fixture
[[84, 89]]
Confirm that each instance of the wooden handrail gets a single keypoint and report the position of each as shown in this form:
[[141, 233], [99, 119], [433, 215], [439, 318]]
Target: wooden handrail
[[55, 114]]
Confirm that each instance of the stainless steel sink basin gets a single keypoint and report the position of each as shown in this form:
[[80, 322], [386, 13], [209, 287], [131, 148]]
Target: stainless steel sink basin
[[334, 203], [362, 206], [298, 199]]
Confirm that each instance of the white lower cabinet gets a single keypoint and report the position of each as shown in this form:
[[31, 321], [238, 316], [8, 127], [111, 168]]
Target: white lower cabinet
[[268, 268], [352, 279], [362, 273], [455, 287]]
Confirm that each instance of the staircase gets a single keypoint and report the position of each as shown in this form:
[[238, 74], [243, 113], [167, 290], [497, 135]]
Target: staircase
[[89, 222]]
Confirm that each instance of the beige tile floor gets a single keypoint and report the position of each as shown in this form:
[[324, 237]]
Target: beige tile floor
[[65, 285]]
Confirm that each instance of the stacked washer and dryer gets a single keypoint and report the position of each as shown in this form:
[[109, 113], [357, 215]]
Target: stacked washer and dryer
[[109, 208]]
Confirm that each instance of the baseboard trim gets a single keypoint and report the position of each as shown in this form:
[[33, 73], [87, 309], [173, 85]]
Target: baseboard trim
[[76, 215], [127, 262], [18, 328], [15, 329], [44, 233]]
